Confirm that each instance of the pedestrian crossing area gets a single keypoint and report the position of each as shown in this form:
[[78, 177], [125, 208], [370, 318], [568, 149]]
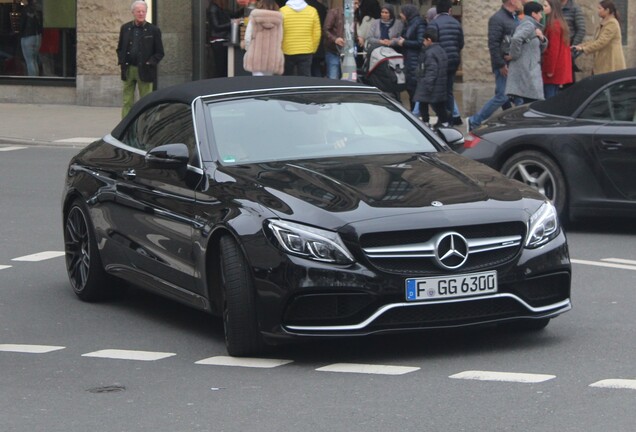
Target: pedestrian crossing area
[[502, 377]]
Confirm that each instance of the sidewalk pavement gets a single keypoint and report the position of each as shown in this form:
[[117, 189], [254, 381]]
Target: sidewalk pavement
[[64, 125]]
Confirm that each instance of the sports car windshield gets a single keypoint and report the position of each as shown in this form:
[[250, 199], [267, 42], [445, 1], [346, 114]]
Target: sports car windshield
[[311, 125]]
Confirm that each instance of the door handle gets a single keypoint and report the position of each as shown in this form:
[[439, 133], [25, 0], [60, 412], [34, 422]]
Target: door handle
[[129, 174], [611, 145]]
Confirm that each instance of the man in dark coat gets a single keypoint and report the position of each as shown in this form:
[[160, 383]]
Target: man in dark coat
[[451, 39], [432, 75], [139, 51], [503, 23], [411, 44]]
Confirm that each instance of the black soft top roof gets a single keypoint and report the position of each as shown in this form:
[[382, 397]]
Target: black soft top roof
[[566, 103], [188, 92]]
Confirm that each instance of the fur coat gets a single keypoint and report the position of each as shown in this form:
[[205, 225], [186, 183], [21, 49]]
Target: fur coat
[[263, 42]]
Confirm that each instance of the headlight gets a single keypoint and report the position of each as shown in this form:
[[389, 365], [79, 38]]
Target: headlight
[[311, 243], [543, 226]]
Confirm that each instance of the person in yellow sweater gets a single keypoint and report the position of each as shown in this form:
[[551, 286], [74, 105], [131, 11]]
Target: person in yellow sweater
[[301, 36]]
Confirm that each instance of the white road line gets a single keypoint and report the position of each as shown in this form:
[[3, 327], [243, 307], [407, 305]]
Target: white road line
[[620, 261], [629, 384], [77, 140], [129, 355], [503, 376], [368, 369], [603, 264], [243, 362], [11, 148], [2, 267], [41, 256], [29, 349]]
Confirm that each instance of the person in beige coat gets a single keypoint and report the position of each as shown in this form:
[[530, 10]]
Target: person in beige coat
[[607, 45], [264, 40]]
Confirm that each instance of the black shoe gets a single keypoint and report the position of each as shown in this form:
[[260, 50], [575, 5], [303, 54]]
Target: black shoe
[[457, 121]]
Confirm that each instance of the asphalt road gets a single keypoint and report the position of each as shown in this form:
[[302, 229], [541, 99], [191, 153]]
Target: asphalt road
[[59, 370]]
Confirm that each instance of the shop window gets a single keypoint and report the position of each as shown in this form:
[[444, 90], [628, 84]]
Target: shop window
[[37, 38]]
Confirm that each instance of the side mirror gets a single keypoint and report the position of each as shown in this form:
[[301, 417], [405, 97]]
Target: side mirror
[[169, 155], [452, 137]]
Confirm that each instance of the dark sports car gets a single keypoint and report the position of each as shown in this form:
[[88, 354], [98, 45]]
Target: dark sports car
[[578, 148], [297, 207]]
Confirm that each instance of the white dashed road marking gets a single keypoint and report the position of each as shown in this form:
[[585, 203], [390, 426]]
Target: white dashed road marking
[[2, 267], [368, 369], [620, 261], [41, 256], [29, 349], [11, 148], [629, 384], [502, 376], [77, 140], [243, 362], [605, 264], [129, 355]]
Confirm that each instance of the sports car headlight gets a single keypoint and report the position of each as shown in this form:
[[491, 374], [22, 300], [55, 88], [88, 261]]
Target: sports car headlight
[[543, 226], [311, 243]]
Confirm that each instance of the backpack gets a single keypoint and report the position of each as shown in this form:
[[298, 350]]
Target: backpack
[[384, 69]]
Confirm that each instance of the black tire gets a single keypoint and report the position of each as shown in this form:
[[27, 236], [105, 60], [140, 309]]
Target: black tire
[[540, 172], [83, 264], [242, 336]]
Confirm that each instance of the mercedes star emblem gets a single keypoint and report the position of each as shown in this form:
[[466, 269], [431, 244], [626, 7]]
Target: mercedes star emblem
[[451, 250]]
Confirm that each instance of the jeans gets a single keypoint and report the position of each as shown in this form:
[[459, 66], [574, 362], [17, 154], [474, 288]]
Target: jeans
[[550, 90], [31, 53], [451, 105], [494, 103], [333, 65]]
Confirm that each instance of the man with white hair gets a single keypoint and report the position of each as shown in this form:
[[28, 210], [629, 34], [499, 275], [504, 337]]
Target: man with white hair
[[139, 51]]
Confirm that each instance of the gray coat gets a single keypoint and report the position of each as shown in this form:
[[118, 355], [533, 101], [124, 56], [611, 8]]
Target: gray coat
[[524, 71]]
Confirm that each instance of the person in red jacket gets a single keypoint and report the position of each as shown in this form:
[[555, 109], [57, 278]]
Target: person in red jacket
[[557, 58]]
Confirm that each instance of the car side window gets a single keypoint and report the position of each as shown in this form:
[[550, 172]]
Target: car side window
[[623, 101], [166, 123], [598, 108], [616, 103]]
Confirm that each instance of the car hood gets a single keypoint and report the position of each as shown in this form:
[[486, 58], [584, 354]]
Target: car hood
[[339, 191]]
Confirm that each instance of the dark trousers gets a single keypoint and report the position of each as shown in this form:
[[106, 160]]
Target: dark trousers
[[298, 64]]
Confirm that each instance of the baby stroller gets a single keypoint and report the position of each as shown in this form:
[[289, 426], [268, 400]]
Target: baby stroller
[[384, 68]]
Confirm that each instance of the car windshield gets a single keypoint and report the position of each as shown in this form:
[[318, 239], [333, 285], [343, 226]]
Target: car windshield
[[311, 125]]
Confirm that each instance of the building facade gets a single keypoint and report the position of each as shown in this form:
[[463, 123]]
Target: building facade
[[78, 63]]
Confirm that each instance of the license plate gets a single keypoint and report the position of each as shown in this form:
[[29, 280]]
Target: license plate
[[462, 285]]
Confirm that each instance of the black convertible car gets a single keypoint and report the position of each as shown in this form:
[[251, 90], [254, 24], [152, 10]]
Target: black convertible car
[[578, 148], [297, 207]]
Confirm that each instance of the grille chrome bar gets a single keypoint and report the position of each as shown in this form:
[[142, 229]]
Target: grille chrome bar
[[427, 249]]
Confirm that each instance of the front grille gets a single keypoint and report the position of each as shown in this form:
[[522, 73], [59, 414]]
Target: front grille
[[449, 314], [426, 265]]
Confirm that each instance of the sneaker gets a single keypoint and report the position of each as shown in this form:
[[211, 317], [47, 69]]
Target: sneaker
[[457, 121], [469, 126]]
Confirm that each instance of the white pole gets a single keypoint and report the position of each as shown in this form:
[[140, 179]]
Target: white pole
[[349, 70]]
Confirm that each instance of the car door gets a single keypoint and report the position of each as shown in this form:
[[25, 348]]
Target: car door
[[156, 203], [614, 142]]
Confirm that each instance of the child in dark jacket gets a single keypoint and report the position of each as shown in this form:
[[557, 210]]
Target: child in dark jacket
[[431, 81]]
